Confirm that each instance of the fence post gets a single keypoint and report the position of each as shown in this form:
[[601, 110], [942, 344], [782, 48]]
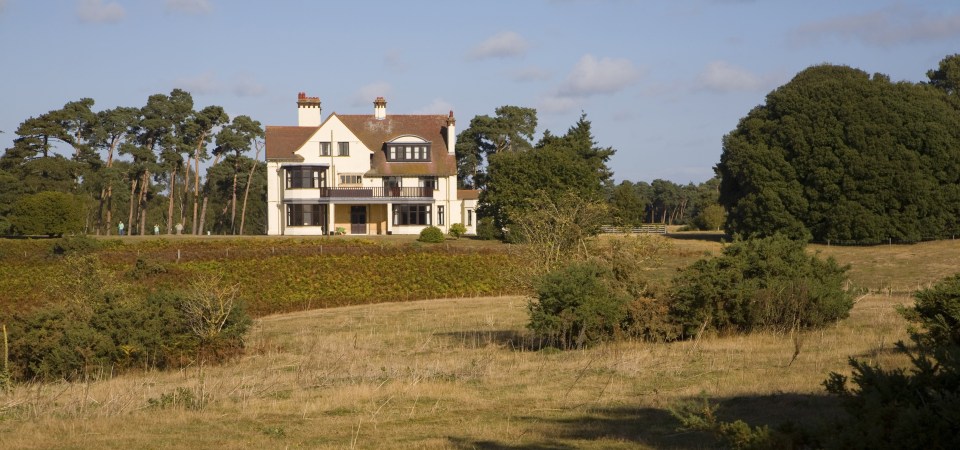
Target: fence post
[[178, 255]]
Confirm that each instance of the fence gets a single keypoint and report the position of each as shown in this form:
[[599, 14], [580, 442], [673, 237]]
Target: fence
[[650, 228]]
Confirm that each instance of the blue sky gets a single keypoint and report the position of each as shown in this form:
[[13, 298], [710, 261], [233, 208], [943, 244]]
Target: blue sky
[[661, 81]]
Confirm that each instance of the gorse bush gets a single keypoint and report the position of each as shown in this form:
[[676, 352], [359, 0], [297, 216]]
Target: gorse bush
[[916, 409], [576, 306], [75, 244], [431, 234], [768, 283], [97, 328]]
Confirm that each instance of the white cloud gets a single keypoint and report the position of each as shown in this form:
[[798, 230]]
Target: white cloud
[[96, 11], [3, 5], [247, 86], [190, 6], [530, 73], [558, 104], [593, 76], [437, 106], [204, 83], [721, 76], [899, 24], [367, 94], [501, 45]]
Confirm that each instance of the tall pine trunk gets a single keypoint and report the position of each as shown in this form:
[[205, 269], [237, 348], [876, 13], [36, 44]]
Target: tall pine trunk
[[173, 184], [246, 190], [145, 186], [133, 200]]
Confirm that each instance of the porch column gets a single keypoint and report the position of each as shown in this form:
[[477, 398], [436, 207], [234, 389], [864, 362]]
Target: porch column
[[330, 221], [389, 218]]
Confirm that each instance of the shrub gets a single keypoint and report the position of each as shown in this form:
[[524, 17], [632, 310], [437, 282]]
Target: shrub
[[75, 244], [487, 230], [768, 283], [457, 230], [919, 409], [47, 213], [576, 306], [431, 234]]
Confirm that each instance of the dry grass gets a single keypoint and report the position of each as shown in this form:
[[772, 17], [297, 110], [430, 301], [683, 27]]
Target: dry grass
[[444, 374], [448, 374]]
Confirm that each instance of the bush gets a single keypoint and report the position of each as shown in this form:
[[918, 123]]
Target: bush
[[576, 306], [919, 409], [47, 213], [431, 234], [457, 230], [487, 230], [75, 244], [769, 283]]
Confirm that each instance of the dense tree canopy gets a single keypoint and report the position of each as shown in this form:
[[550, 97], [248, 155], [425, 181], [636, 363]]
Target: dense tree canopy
[[837, 154], [138, 165], [555, 167]]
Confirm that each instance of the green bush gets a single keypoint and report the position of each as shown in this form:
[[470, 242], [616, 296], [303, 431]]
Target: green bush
[[576, 306], [487, 230], [768, 283], [431, 234], [457, 230], [47, 213], [75, 244], [917, 409]]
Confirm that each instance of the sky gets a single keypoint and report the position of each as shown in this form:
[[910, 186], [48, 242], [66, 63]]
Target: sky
[[661, 81]]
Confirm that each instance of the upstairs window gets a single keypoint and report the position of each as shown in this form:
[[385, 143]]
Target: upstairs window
[[352, 180], [343, 149], [428, 182], [408, 152], [324, 149], [306, 177]]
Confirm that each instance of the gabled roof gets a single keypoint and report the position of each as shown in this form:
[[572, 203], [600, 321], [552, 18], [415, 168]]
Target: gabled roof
[[374, 133], [282, 142]]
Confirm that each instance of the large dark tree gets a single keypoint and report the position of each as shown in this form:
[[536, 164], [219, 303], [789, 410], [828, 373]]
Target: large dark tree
[[555, 167], [511, 130], [837, 154]]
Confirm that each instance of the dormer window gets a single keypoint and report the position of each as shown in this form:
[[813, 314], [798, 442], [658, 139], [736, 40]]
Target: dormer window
[[408, 152]]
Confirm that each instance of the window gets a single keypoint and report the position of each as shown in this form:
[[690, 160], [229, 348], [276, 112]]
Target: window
[[343, 149], [392, 182], [428, 182], [306, 215], [411, 215], [324, 149], [306, 177], [439, 215], [469, 217], [350, 179], [408, 152]]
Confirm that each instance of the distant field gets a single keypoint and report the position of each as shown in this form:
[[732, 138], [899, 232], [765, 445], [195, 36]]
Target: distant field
[[449, 374]]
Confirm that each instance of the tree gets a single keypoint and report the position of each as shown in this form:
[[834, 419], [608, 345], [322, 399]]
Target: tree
[[510, 131], [200, 132], [557, 165], [836, 154], [47, 213], [947, 75], [114, 127], [628, 204], [238, 137]]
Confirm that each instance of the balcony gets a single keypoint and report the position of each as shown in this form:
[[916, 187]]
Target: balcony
[[377, 192]]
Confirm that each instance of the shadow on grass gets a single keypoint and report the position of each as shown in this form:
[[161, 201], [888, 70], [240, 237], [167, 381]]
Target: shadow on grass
[[512, 339], [709, 236], [658, 428]]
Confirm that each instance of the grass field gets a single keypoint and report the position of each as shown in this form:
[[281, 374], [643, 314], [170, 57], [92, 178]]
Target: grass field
[[448, 373]]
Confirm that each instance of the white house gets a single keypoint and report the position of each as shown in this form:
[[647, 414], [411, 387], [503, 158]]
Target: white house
[[364, 174]]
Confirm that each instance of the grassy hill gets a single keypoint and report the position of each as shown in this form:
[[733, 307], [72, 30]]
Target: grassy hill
[[454, 373]]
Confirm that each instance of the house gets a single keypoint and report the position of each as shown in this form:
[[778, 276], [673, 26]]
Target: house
[[364, 174]]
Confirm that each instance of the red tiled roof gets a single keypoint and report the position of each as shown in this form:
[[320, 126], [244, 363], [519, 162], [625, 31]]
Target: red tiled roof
[[282, 142], [468, 194], [374, 133]]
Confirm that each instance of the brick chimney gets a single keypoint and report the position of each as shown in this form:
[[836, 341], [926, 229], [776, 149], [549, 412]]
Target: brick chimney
[[380, 108], [308, 110], [451, 133]]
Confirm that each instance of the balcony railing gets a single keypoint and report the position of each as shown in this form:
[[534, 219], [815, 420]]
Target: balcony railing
[[377, 192]]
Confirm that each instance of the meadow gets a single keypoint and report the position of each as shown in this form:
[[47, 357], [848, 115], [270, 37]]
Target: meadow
[[460, 373]]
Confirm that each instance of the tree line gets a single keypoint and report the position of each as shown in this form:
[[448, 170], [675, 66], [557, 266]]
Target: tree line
[[140, 166], [497, 154]]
